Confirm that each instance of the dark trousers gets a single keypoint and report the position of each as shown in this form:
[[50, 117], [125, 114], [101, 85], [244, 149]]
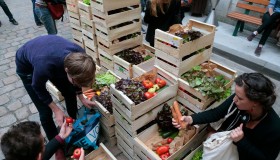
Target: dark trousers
[[36, 18], [6, 9], [44, 110], [268, 23]]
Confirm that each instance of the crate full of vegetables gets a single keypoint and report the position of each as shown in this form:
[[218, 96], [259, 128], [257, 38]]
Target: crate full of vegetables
[[204, 84], [109, 5], [195, 154], [87, 26], [85, 9], [138, 96], [119, 44], [101, 153], [181, 41], [134, 62], [163, 140], [106, 60], [124, 145]]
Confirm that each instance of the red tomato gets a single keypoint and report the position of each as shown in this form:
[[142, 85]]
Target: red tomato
[[155, 93], [69, 120], [169, 140], [162, 149], [161, 83], [168, 154], [163, 156], [148, 95], [77, 153], [147, 84], [157, 80]]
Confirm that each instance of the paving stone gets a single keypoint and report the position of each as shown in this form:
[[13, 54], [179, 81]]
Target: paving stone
[[15, 43], [7, 88], [10, 72], [10, 79], [4, 61], [2, 75], [10, 54], [3, 68], [14, 105], [34, 117], [17, 93], [1, 83], [26, 100], [3, 111], [4, 99], [7, 120], [3, 131], [12, 64], [19, 84], [32, 108], [22, 113]]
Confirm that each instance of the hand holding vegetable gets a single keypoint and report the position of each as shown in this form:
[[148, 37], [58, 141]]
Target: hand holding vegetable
[[177, 116], [187, 119]]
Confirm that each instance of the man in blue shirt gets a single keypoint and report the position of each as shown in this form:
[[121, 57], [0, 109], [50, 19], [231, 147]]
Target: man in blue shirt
[[63, 63]]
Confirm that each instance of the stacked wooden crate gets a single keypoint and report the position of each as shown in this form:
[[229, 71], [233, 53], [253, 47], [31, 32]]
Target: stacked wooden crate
[[88, 31], [75, 23], [131, 118], [126, 69], [117, 26]]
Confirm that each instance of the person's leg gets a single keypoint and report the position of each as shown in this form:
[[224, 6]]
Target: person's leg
[[68, 92], [45, 112], [8, 12], [45, 16], [36, 18]]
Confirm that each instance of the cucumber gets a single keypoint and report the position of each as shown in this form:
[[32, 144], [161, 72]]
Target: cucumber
[[167, 134], [175, 134]]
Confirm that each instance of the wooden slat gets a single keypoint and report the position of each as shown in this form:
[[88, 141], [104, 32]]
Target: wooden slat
[[262, 2], [245, 18], [251, 7]]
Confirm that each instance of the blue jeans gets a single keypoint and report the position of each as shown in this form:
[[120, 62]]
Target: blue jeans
[[36, 18], [46, 18]]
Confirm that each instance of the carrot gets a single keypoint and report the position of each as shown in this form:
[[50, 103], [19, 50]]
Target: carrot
[[87, 91], [174, 115], [90, 94], [179, 115]]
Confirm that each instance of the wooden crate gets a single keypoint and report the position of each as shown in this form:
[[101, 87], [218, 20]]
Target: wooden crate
[[72, 7], [127, 70], [118, 46], [106, 60], [77, 32], [123, 145], [93, 54], [144, 141], [179, 66], [72, 1], [195, 100], [74, 18], [132, 126], [87, 25], [101, 153], [108, 5], [78, 42], [174, 45], [54, 91], [192, 152], [90, 40], [85, 10], [134, 111]]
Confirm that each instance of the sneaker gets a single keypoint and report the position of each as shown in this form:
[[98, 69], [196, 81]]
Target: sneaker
[[13, 21], [258, 51], [251, 37]]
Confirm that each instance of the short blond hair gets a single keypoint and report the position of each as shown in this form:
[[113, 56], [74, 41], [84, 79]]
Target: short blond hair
[[81, 68]]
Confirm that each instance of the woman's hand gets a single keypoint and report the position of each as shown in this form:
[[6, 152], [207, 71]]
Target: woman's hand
[[187, 119], [82, 156], [237, 134], [65, 130], [88, 103], [59, 117]]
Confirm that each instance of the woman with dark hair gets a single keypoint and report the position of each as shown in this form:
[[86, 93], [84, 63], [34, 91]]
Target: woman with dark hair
[[161, 14], [254, 123]]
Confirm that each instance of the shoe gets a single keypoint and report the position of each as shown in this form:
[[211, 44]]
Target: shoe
[[13, 21], [258, 51], [59, 155], [251, 37]]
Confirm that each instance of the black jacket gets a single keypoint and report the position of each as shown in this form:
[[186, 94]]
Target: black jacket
[[163, 21]]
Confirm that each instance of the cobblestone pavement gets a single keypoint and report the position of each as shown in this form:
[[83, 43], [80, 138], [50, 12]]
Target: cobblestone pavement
[[15, 104]]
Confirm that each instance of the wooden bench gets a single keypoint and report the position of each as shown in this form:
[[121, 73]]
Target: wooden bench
[[249, 6]]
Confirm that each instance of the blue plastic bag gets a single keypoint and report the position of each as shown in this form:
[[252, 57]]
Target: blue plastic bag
[[85, 131]]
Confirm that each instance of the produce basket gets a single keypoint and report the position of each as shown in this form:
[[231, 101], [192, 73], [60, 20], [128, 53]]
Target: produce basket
[[194, 99], [128, 70], [108, 5], [125, 145], [85, 10], [191, 154], [101, 153], [175, 45], [133, 110]]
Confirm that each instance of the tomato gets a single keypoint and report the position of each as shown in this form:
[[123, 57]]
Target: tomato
[[162, 149], [161, 83], [163, 156], [168, 154], [77, 153], [155, 93], [169, 140], [157, 80], [148, 95], [147, 84], [69, 120]]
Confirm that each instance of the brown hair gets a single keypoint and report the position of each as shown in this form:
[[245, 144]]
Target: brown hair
[[81, 68], [158, 4]]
